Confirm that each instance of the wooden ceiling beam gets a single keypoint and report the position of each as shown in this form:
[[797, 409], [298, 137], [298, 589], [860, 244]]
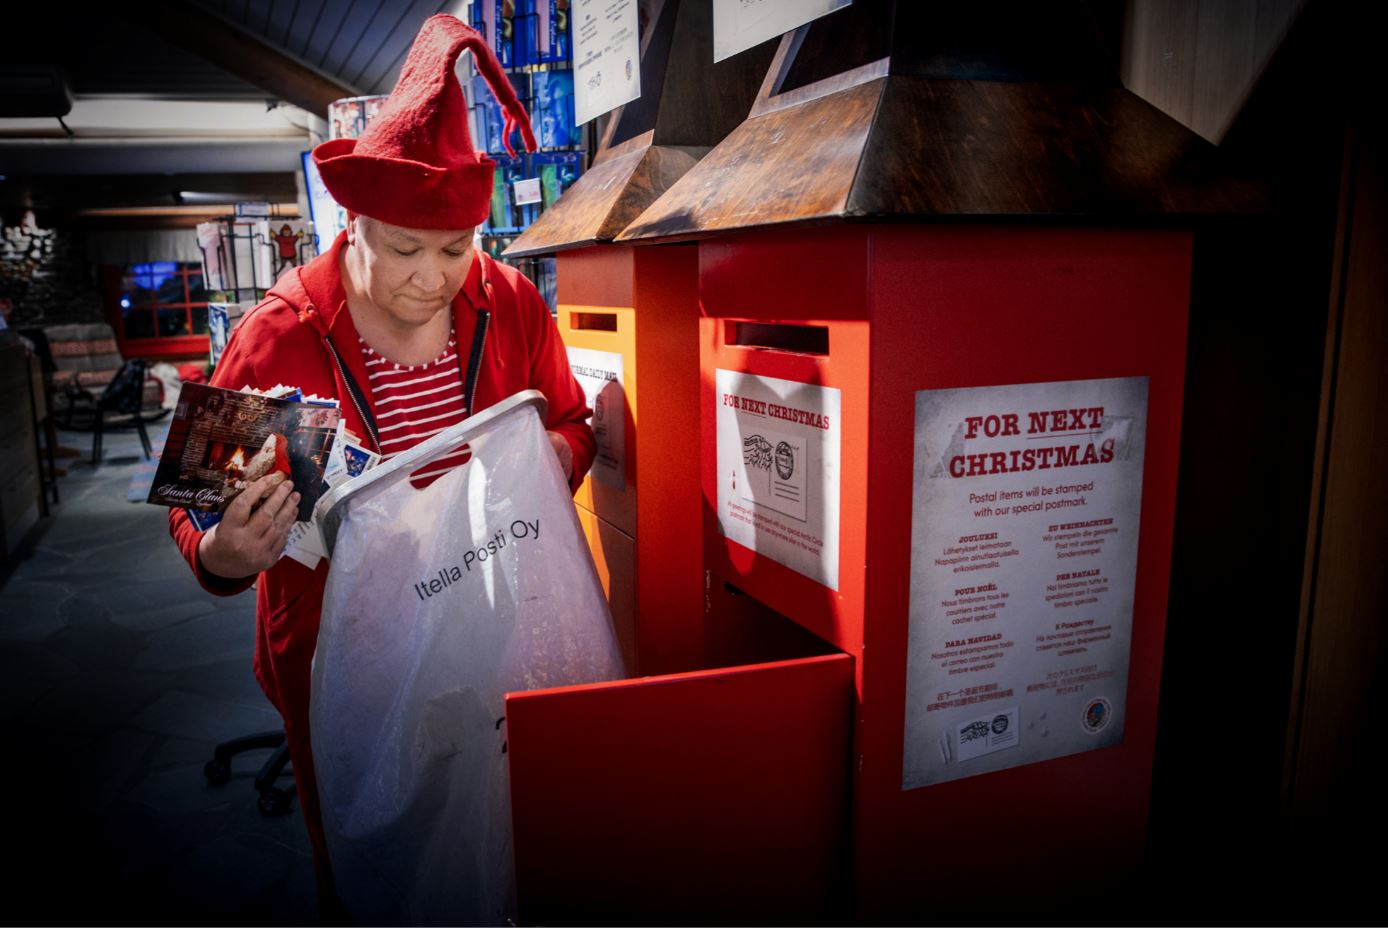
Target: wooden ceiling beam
[[241, 53]]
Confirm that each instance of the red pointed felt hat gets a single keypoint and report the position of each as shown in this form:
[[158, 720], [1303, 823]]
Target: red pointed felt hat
[[415, 165]]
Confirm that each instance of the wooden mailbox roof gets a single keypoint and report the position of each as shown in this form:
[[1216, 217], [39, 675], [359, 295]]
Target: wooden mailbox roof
[[977, 123]]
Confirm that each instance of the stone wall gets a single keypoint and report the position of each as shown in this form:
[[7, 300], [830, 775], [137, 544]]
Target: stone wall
[[47, 275]]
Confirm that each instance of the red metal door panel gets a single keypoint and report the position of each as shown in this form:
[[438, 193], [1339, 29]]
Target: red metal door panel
[[976, 307], [718, 796], [910, 308]]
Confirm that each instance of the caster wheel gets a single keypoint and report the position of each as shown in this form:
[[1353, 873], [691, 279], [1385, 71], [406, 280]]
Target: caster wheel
[[274, 802], [217, 772]]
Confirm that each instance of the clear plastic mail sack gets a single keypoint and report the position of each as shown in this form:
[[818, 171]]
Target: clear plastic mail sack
[[438, 602]]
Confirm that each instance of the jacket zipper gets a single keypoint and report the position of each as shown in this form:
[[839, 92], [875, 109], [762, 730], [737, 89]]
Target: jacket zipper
[[352, 390], [474, 360], [474, 371]]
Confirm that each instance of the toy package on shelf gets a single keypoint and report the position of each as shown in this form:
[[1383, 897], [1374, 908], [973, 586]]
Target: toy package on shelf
[[506, 33], [482, 17], [557, 171], [490, 117], [495, 245], [496, 20], [525, 42], [553, 115], [531, 39], [544, 31], [476, 106], [546, 278], [328, 217], [541, 273], [540, 270], [349, 117], [505, 215], [222, 319]]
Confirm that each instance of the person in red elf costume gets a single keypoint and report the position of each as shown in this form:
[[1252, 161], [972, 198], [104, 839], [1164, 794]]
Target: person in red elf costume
[[408, 326]]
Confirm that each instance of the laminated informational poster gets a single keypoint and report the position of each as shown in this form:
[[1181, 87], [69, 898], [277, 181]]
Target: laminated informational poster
[[607, 56], [740, 24], [1024, 529], [599, 373], [778, 471]]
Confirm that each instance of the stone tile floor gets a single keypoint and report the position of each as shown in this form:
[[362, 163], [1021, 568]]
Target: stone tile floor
[[118, 674]]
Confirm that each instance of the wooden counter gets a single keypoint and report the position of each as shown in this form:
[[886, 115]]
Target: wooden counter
[[20, 487]]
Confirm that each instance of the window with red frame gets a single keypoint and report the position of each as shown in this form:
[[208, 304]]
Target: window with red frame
[[158, 308]]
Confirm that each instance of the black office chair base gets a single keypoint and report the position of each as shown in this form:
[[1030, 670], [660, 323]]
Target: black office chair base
[[274, 800]]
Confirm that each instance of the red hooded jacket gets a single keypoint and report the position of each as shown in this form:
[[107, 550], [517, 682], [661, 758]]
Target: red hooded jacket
[[284, 340]]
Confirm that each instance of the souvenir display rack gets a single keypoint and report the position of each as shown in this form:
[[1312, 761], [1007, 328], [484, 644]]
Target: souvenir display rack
[[532, 41]]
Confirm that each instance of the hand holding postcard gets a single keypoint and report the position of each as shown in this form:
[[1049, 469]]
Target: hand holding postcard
[[220, 441]]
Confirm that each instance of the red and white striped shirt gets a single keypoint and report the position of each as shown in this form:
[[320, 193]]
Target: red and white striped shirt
[[414, 402]]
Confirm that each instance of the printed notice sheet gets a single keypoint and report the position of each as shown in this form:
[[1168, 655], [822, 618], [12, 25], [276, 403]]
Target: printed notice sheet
[[1024, 528], [778, 471], [607, 56], [599, 373], [740, 24]]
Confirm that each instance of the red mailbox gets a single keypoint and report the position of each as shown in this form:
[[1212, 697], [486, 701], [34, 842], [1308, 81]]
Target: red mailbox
[[948, 446], [910, 308], [630, 321]]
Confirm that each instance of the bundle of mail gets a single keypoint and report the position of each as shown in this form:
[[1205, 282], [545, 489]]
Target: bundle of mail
[[348, 458]]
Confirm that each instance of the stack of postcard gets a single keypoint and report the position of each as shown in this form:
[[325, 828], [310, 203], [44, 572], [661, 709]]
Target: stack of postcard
[[220, 441]]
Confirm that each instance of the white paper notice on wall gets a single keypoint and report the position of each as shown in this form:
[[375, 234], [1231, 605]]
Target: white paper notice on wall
[[599, 373], [1024, 530], [778, 471], [607, 56], [740, 24]]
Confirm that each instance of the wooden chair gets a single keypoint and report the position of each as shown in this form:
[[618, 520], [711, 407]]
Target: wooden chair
[[124, 401]]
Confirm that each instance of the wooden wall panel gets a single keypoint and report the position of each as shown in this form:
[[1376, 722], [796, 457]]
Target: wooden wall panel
[[1198, 60], [1159, 54], [1336, 755]]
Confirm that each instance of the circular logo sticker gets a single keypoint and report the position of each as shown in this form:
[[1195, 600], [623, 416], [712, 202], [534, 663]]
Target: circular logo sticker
[[785, 460], [1000, 723], [1096, 715]]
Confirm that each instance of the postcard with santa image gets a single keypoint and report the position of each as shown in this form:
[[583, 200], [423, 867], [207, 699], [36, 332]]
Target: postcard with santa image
[[221, 441]]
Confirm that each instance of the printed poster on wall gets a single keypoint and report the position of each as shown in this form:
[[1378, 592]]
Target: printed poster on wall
[[599, 373], [1024, 528], [740, 24], [607, 56], [778, 471]]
